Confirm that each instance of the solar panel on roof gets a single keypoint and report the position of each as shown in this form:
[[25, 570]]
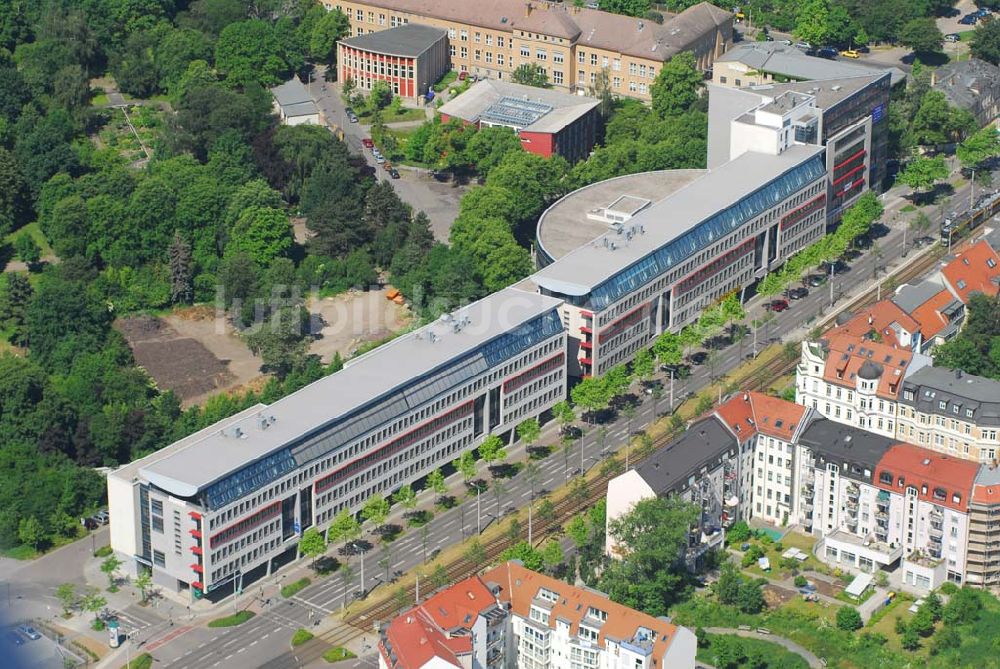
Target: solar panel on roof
[[518, 112]]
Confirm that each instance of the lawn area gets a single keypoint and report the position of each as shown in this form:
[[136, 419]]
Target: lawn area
[[301, 636], [772, 655], [118, 136], [966, 35], [99, 99], [293, 588], [780, 569], [337, 654], [404, 114], [443, 82], [36, 233], [144, 661], [233, 620]]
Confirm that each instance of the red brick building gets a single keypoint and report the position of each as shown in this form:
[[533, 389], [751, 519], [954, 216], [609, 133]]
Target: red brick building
[[410, 58], [547, 121]]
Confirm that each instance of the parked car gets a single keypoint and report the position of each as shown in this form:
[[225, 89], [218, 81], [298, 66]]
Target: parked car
[[680, 371], [952, 37], [89, 523], [786, 42], [102, 517], [838, 266], [394, 173], [969, 20], [850, 53], [777, 305], [816, 280], [14, 638], [367, 143], [804, 45], [462, 76], [380, 159], [850, 255], [827, 52], [387, 166], [30, 632], [921, 242], [798, 293]]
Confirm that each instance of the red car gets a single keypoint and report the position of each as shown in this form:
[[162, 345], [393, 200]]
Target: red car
[[777, 305], [367, 143], [462, 76]]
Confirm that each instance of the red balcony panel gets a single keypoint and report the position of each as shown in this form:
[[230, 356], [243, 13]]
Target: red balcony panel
[[197, 550], [586, 345], [541, 369], [195, 533], [584, 329], [198, 568], [198, 584], [586, 361], [586, 314], [195, 515]]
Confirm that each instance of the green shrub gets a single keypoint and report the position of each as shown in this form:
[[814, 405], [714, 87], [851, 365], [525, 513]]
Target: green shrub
[[948, 588], [293, 588], [801, 581], [103, 552], [301, 636], [232, 621], [144, 661], [848, 619]]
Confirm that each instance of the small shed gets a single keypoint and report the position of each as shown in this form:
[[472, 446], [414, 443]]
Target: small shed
[[859, 585]]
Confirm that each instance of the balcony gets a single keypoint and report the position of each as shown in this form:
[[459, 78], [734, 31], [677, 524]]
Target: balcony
[[585, 330], [808, 492], [852, 506], [195, 533], [197, 550], [198, 568], [195, 515], [588, 362], [586, 345], [937, 512]]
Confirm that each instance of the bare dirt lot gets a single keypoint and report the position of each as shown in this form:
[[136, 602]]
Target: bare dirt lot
[[353, 318], [196, 354]]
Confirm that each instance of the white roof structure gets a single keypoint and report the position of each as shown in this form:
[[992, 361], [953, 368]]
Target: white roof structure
[[294, 99], [859, 585], [580, 271], [378, 386], [495, 102]]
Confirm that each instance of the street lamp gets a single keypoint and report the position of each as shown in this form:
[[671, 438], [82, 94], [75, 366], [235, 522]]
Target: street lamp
[[361, 548]]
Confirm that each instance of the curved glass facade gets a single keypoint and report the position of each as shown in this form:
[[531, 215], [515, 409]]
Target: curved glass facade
[[706, 232]]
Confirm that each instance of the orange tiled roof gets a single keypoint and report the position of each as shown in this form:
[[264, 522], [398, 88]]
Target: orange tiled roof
[[847, 354], [970, 271], [519, 586], [752, 412], [986, 494], [928, 314], [928, 471], [459, 605], [879, 317], [415, 641]]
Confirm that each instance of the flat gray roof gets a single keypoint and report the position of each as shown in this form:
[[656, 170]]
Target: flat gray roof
[[828, 92], [580, 271], [220, 450], [552, 110], [292, 92], [408, 40], [839, 443], [564, 226], [912, 295], [667, 469], [779, 58]]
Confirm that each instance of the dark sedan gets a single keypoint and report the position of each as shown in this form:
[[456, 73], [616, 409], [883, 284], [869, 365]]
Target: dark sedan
[[816, 280], [798, 293]]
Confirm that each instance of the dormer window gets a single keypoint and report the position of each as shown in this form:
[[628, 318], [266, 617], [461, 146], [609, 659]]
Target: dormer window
[[940, 494], [885, 477], [961, 284]]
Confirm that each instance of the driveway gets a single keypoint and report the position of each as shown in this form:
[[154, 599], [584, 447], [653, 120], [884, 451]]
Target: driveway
[[415, 186]]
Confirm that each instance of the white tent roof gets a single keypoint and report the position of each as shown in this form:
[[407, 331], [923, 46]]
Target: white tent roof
[[859, 585]]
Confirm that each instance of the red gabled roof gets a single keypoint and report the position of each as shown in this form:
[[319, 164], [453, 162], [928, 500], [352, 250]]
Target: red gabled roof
[[519, 586], [928, 314], [415, 641], [970, 271], [879, 317], [928, 471], [751, 412], [459, 605], [847, 354], [986, 494]]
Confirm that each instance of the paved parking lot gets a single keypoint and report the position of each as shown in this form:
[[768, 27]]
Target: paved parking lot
[[41, 653]]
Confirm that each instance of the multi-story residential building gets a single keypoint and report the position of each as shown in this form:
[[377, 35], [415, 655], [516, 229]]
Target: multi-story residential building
[[855, 380], [548, 122], [982, 567], [661, 268], [846, 114], [923, 508], [515, 618], [938, 314], [463, 627], [735, 464], [409, 57], [973, 85], [574, 45], [221, 506], [951, 412]]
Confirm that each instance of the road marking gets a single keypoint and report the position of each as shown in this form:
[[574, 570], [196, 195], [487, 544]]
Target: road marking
[[229, 657], [265, 636], [254, 643]]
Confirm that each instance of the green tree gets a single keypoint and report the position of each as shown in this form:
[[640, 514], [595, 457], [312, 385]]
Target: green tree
[[727, 588], [144, 581], [439, 576], [345, 527], [67, 596], [591, 394], [181, 271], [530, 74], [92, 602], [27, 249], [576, 529], [263, 234], [922, 35], [405, 497], [552, 554], [475, 553], [848, 619], [979, 146], [465, 464], [110, 565], [280, 340], [523, 551], [249, 52], [922, 173], [627, 7], [643, 365], [937, 122], [677, 85], [312, 544], [326, 32], [909, 640], [528, 432], [812, 22], [376, 510], [492, 450], [488, 147], [436, 482], [13, 191], [31, 532], [751, 597], [985, 43], [962, 608], [546, 510]]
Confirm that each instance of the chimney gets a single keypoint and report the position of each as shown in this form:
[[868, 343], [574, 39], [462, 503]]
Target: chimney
[[527, 9]]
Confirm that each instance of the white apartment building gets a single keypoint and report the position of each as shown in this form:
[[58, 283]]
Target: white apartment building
[[224, 506], [515, 618], [854, 380]]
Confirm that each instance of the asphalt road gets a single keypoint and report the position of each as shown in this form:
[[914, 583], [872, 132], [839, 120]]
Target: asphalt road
[[416, 187]]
